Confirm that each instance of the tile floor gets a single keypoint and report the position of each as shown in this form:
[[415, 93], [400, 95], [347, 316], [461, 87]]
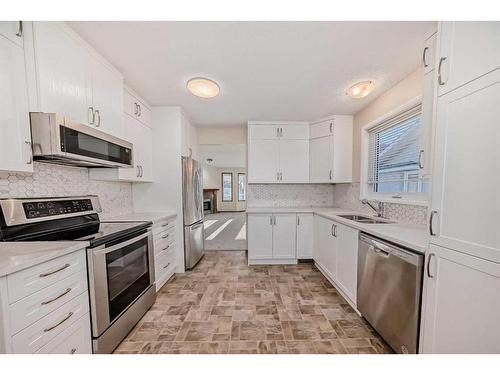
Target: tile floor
[[225, 306]]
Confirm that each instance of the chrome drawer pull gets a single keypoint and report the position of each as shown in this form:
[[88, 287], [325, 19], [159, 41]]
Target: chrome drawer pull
[[165, 236], [53, 272], [73, 351], [164, 225], [58, 324], [168, 264], [56, 298], [166, 248]]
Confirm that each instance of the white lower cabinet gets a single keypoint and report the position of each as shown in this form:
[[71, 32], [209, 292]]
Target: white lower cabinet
[[272, 238], [164, 249], [305, 235], [336, 255], [462, 303], [45, 308]]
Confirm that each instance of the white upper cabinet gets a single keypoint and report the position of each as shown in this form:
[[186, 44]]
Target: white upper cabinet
[[467, 50], [263, 161], [72, 79], [278, 131], [136, 107], [15, 133], [462, 304], [331, 150], [429, 53], [466, 171], [294, 161], [13, 30]]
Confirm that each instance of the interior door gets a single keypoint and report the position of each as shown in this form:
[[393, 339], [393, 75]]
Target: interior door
[[466, 178], [263, 161], [15, 131], [462, 304], [284, 236], [471, 50], [294, 161]]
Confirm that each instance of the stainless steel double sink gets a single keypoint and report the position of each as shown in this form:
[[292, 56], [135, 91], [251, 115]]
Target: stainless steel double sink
[[366, 219]]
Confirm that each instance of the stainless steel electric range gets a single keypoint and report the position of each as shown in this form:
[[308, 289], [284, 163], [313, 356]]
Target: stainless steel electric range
[[119, 257]]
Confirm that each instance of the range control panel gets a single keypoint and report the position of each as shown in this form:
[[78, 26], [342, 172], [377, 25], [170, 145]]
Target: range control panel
[[34, 210]]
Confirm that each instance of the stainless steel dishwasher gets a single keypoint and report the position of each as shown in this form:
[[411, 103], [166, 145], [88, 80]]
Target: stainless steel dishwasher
[[389, 291]]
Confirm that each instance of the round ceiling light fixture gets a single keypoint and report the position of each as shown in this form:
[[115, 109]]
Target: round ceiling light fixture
[[203, 87], [210, 161], [361, 89]]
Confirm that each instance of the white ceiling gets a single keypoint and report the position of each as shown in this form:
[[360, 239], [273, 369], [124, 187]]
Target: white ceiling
[[266, 70], [224, 156]]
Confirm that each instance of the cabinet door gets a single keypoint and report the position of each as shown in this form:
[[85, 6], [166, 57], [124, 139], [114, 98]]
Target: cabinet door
[[284, 236], [147, 153], [294, 132], [132, 132], [12, 30], [471, 49], [427, 126], [347, 260], [305, 236], [466, 177], [63, 72], [263, 131], [144, 114], [130, 104], [260, 236], [263, 161], [107, 98], [462, 304], [429, 54], [294, 161], [321, 162], [322, 129], [15, 133], [329, 249]]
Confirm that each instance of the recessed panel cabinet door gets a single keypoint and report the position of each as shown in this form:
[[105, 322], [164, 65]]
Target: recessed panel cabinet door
[[63, 71], [462, 304], [467, 51], [321, 161], [294, 161], [263, 161], [260, 236], [15, 134], [284, 236], [466, 177]]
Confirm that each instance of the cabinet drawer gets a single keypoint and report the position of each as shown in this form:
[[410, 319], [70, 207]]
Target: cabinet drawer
[[165, 234], [163, 225], [31, 280], [164, 263], [28, 310], [73, 340], [44, 330], [163, 245]]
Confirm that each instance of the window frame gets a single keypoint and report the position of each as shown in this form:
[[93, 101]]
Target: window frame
[[242, 174], [365, 192], [222, 186]]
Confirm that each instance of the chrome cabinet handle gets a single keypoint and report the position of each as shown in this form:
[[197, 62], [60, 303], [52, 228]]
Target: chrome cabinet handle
[[30, 150], [431, 220], [429, 266], [140, 110], [271, 219], [420, 157], [142, 171], [164, 236], [91, 115], [440, 78], [166, 248], [73, 351], [331, 127], [138, 174], [277, 176], [298, 220], [56, 298], [424, 55], [277, 132], [19, 29], [168, 264], [136, 109], [331, 230], [53, 272], [96, 112], [58, 324], [164, 225], [330, 174], [274, 219]]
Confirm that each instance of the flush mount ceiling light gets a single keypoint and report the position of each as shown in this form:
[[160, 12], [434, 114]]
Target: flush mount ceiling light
[[203, 87], [210, 161], [361, 89]]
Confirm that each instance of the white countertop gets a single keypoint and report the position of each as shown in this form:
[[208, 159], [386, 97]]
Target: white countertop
[[16, 256], [412, 237], [142, 216]]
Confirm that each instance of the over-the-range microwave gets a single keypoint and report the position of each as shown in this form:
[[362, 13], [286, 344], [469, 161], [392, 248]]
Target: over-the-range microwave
[[58, 139]]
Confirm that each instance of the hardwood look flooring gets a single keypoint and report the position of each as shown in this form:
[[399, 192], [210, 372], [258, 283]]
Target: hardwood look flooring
[[225, 306]]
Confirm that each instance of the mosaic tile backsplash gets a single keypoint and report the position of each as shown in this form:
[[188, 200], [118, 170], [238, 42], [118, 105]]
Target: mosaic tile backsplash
[[289, 195], [49, 180], [347, 196]]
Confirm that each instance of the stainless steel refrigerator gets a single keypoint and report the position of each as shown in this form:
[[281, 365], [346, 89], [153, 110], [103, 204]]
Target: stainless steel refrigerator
[[192, 202]]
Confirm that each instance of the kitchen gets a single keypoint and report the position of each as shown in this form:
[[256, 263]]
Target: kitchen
[[370, 206]]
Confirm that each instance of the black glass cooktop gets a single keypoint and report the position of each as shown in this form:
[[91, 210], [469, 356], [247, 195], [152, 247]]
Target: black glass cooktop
[[110, 231]]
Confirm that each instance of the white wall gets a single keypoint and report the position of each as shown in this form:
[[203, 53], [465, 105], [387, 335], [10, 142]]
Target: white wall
[[189, 137], [165, 193], [221, 135], [212, 179]]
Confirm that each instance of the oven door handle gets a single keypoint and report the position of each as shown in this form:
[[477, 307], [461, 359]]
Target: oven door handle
[[104, 250]]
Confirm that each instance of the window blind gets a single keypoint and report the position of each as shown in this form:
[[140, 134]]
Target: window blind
[[394, 147]]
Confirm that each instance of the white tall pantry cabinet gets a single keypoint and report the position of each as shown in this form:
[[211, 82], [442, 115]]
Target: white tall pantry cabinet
[[462, 300]]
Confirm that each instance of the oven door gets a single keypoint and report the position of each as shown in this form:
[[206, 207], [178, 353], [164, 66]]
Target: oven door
[[119, 273]]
